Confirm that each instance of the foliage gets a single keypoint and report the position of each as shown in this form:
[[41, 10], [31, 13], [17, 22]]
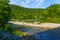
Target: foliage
[[19, 33], [4, 12], [17, 13], [44, 15]]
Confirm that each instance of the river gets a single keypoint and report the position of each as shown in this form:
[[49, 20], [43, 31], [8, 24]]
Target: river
[[39, 33]]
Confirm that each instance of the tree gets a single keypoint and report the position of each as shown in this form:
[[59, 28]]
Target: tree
[[4, 12], [54, 10]]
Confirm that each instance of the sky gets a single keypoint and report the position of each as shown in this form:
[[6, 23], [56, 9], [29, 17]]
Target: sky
[[34, 3]]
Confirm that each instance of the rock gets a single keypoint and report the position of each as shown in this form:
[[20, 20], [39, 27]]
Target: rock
[[7, 36]]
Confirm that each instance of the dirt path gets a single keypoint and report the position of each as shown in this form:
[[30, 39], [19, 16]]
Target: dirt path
[[52, 25]]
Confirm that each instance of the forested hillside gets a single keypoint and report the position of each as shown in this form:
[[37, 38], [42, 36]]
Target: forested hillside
[[9, 12], [49, 14]]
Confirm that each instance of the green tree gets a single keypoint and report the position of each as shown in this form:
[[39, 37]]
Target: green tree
[[4, 12], [54, 10]]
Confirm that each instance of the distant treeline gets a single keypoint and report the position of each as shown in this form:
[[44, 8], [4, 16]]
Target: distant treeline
[[49, 14]]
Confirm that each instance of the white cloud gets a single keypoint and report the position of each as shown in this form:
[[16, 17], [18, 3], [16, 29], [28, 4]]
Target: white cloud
[[39, 2], [28, 3]]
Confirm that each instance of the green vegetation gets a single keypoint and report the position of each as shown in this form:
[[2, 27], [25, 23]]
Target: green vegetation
[[49, 14], [5, 16], [17, 13], [4, 13]]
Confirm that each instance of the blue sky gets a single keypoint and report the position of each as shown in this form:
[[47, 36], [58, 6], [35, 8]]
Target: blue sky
[[34, 3]]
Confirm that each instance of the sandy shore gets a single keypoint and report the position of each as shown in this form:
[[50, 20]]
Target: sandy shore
[[52, 25]]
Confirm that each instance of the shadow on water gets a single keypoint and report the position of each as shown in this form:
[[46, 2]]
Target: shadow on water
[[37, 34]]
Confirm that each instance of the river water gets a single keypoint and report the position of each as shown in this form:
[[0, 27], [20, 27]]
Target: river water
[[53, 34], [38, 34]]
